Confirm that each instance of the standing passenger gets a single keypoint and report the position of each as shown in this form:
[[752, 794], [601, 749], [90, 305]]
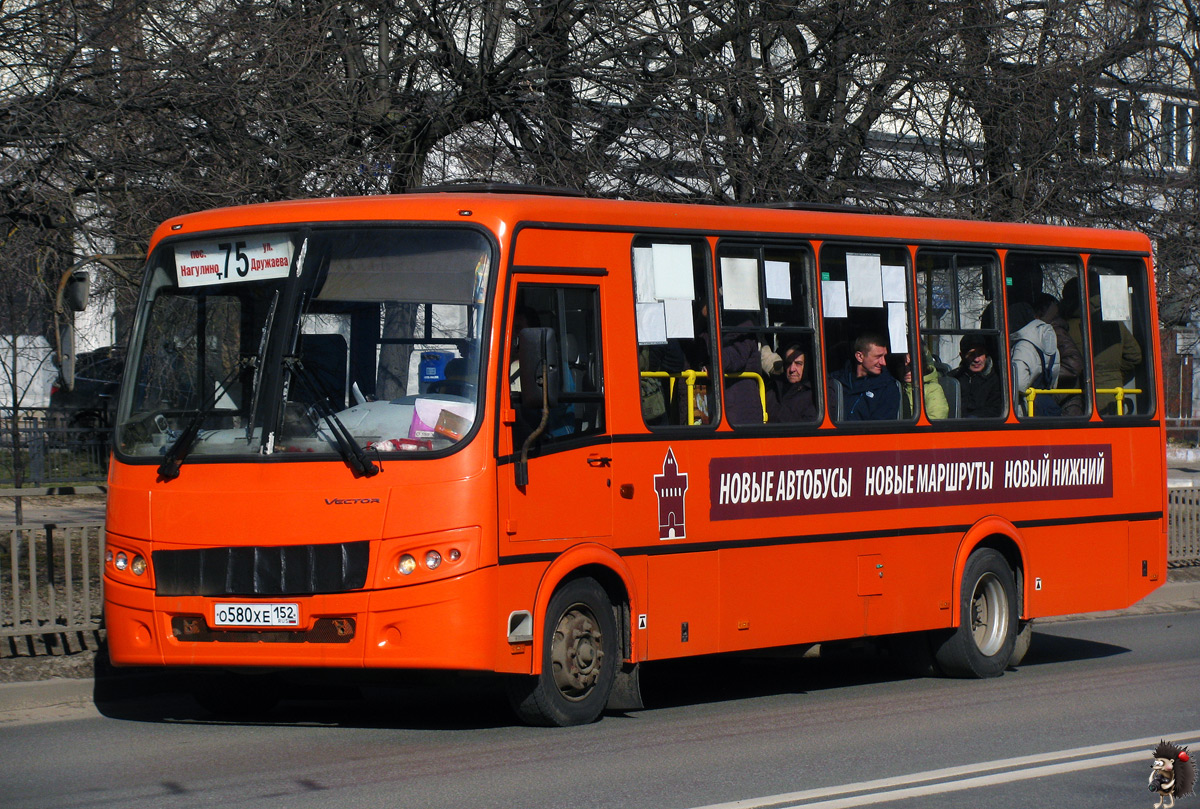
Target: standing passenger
[[1034, 352], [1116, 353], [1070, 357]]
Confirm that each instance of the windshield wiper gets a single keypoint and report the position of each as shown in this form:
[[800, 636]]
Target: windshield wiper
[[260, 362], [354, 455], [182, 445]]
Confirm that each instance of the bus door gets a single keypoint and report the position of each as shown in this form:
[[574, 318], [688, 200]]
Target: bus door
[[558, 481]]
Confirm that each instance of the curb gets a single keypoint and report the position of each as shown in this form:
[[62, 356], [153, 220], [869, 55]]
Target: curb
[[55, 694], [1188, 454]]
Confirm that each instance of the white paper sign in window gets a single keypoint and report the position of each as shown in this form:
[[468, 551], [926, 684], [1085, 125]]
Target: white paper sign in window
[[864, 280], [895, 282], [672, 265], [643, 274], [739, 283], [651, 324], [779, 281], [679, 325], [1114, 298], [897, 327], [248, 258], [833, 298]]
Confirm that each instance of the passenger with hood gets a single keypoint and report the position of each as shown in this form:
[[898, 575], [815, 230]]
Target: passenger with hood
[[978, 379], [869, 391], [1034, 352], [790, 394], [936, 406]]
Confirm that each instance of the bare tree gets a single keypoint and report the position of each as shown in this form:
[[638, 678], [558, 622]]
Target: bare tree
[[116, 116]]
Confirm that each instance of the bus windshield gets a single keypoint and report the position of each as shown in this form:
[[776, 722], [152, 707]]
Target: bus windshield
[[307, 341]]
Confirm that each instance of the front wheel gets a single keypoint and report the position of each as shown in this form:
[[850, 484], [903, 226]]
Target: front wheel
[[579, 660], [983, 643]]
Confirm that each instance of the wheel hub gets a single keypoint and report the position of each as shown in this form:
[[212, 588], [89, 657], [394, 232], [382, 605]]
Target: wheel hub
[[989, 615], [576, 653]]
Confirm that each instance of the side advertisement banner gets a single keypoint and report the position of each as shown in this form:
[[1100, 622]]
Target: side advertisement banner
[[790, 485]]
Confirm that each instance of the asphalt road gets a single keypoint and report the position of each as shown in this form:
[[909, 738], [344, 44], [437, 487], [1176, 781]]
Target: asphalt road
[[1072, 726]]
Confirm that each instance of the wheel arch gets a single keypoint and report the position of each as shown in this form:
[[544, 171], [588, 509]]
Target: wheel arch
[[1001, 536], [608, 570]]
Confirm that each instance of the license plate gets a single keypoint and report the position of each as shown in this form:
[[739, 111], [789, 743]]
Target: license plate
[[256, 615]]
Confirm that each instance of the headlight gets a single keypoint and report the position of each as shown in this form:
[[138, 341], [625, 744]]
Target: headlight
[[122, 561], [138, 565], [406, 564], [432, 560]]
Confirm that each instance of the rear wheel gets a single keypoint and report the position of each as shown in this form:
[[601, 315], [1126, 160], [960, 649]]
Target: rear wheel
[[983, 643], [579, 660]]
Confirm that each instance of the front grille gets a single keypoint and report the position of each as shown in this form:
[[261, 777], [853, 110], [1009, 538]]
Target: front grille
[[262, 570], [193, 629]]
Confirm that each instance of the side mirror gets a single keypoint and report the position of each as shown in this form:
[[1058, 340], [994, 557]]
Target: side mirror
[[537, 354], [66, 357], [77, 290]]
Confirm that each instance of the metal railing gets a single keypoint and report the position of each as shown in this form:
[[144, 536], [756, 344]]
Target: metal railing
[[1185, 432], [51, 450], [1183, 519], [51, 581]]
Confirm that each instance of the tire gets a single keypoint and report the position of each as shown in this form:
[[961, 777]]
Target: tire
[[579, 660], [982, 645]]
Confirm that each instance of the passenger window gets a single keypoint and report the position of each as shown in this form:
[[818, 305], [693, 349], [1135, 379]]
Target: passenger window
[[1119, 317], [671, 284], [957, 301], [570, 318], [865, 303], [767, 336], [1046, 359]]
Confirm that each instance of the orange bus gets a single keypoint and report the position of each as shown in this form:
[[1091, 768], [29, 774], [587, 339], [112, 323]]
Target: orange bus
[[553, 437]]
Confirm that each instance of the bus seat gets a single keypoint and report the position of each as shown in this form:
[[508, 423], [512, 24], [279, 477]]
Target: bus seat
[[837, 395], [953, 391]]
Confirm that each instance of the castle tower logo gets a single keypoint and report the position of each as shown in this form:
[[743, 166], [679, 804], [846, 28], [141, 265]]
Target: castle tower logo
[[671, 487]]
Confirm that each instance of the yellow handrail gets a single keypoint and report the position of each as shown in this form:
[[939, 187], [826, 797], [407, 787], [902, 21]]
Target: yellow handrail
[[762, 388], [1120, 393], [689, 377]]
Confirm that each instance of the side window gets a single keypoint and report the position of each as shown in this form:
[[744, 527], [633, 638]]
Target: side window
[[865, 303], [568, 317], [671, 284], [958, 303], [1046, 360], [767, 336], [1119, 317]]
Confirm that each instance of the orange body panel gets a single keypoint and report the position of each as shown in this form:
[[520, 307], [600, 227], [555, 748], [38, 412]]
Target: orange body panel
[[724, 583]]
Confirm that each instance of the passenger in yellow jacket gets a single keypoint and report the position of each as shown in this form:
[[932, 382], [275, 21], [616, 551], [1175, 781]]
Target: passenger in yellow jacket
[[936, 406]]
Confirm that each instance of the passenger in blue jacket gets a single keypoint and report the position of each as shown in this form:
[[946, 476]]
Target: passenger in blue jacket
[[868, 388]]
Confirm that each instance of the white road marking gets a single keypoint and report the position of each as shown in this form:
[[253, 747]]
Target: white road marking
[[970, 776]]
